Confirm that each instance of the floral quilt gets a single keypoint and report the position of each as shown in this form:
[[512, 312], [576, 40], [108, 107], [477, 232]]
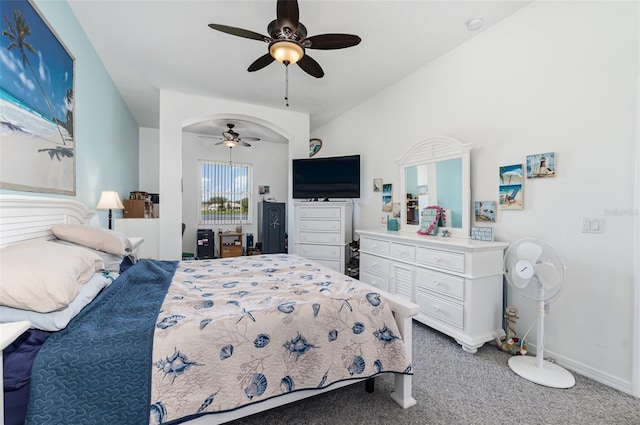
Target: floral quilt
[[241, 330]]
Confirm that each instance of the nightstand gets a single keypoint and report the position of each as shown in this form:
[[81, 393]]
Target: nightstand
[[230, 244], [135, 247]]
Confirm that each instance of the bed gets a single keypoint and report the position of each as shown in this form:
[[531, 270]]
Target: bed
[[206, 342]]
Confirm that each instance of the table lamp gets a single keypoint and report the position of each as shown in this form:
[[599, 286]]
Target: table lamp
[[110, 200]]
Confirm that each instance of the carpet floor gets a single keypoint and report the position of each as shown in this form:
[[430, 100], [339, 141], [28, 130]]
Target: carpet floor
[[455, 387]]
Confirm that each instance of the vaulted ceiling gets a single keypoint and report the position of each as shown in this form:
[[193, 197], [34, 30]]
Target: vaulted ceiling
[[151, 45]]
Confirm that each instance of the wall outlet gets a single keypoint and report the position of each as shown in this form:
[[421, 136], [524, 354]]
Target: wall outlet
[[592, 225]]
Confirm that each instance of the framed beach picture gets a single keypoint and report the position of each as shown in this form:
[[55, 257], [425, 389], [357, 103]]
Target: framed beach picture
[[377, 185], [387, 197], [541, 165], [36, 95], [485, 210], [510, 188]]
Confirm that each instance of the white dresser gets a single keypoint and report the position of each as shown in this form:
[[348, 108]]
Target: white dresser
[[324, 231], [456, 282]]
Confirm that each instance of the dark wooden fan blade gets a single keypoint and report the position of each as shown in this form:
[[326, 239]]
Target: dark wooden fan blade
[[260, 63], [288, 14], [310, 66], [251, 139], [219, 143], [242, 143], [240, 32], [331, 41], [210, 137]]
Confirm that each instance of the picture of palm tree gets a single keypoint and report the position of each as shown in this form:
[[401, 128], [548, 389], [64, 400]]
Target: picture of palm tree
[[36, 97]]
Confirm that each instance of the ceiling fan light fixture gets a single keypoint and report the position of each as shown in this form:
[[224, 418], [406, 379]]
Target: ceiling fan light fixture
[[286, 52], [230, 143]]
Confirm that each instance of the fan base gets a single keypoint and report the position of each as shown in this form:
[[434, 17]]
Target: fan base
[[549, 375]]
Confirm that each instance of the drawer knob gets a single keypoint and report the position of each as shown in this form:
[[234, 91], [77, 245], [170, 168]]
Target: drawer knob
[[436, 308], [437, 282], [436, 259]]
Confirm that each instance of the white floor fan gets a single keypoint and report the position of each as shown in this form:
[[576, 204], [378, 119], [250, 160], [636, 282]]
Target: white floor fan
[[534, 270]]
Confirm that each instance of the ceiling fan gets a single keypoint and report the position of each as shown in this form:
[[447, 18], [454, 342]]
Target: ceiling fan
[[231, 138], [288, 40]]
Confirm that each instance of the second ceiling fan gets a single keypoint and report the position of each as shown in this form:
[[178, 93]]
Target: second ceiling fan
[[231, 138], [288, 40]]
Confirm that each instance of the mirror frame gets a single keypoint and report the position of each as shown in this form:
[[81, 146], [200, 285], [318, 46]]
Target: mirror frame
[[431, 150]]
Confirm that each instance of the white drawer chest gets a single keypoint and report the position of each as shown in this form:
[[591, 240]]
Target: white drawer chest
[[324, 232], [456, 282]]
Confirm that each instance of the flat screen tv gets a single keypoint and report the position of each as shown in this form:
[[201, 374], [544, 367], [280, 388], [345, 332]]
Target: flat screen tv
[[326, 178]]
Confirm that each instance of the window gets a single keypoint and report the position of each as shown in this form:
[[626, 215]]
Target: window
[[225, 192]]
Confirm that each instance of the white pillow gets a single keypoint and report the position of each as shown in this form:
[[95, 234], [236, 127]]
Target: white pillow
[[44, 276], [58, 320], [111, 261], [93, 237]]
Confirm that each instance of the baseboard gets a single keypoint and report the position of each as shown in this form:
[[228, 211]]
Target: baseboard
[[588, 371]]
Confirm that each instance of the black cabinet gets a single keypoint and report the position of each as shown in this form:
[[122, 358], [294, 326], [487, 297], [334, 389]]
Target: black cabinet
[[205, 244], [272, 227]]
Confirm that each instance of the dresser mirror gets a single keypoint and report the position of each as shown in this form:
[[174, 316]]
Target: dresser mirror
[[436, 171]]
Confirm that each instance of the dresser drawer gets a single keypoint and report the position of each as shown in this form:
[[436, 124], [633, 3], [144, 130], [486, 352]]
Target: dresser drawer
[[332, 264], [331, 252], [444, 259], [374, 264], [440, 309], [374, 245], [402, 251], [379, 282], [443, 283], [319, 213], [322, 225], [319, 237]]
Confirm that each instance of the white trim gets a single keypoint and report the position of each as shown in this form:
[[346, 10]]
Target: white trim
[[635, 355]]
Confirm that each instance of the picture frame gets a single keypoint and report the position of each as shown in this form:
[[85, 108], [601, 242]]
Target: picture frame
[[510, 190], [387, 197], [38, 140], [314, 146], [485, 211], [377, 185], [542, 165]]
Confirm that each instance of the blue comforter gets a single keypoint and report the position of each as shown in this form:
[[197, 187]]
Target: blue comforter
[[103, 377]]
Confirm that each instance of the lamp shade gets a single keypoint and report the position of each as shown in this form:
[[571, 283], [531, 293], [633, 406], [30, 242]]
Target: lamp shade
[[110, 200]]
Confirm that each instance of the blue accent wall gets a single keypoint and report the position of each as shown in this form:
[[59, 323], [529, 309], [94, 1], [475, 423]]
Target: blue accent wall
[[450, 189], [106, 133]]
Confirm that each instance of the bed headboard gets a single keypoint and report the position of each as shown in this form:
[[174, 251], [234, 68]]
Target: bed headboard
[[31, 217]]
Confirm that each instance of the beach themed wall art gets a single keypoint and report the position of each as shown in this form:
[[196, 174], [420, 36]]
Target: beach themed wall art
[[510, 188], [485, 210], [36, 99], [377, 185], [387, 197], [541, 165], [314, 146], [396, 210]]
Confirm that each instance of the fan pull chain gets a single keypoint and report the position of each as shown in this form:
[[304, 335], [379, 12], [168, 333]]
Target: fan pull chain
[[286, 86]]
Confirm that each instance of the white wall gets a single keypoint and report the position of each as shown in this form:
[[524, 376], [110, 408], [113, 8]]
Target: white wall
[[270, 167], [178, 110], [555, 77], [149, 173]]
